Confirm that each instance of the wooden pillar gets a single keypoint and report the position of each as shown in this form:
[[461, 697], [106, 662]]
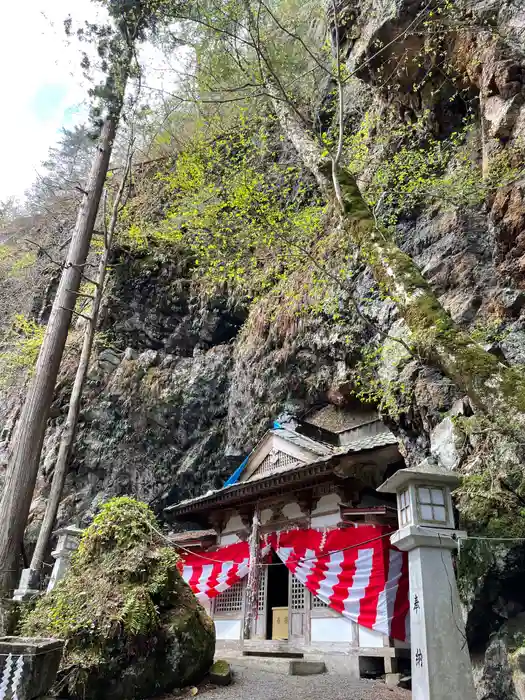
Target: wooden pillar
[[252, 586]]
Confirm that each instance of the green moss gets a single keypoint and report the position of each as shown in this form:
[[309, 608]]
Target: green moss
[[220, 667], [354, 204], [22, 263], [426, 314], [514, 387], [484, 374], [471, 366], [120, 580], [133, 627], [382, 254], [491, 496]]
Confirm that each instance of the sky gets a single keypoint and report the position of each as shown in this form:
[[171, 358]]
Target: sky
[[42, 85]]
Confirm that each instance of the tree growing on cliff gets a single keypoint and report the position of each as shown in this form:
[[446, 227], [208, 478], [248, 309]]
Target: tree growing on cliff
[[249, 29], [116, 44], [70, 426], [64, 170]]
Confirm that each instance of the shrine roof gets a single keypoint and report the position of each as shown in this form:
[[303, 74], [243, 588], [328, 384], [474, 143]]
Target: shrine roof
[[319, 448], [321, 464], [338, 420], [190, 535]]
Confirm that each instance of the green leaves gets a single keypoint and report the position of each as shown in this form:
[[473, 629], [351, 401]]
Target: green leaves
[[373, 385], [418, 169], [21, 347], [238, 207]]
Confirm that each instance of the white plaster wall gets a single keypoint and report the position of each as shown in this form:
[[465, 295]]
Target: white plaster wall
[[292, 510], [332, 629], [370, 638], [327, 503], [228, 629], [266, 514], [327, 520], [234, 523], [287, 447], [228, 539]]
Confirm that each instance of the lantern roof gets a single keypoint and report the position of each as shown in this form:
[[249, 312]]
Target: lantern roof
[[69, 530], [424, 472]]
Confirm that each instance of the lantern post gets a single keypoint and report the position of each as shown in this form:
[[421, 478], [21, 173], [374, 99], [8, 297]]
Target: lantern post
[[441, 667]]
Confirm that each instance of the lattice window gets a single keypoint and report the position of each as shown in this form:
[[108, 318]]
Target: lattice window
[[274, 462], [231, 599], [261, 596], [432, 504], [405, 510], [317, 603], [297, 595]]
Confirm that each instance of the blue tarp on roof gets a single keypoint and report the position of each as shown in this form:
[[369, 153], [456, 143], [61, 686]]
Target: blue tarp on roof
[[234, 478]]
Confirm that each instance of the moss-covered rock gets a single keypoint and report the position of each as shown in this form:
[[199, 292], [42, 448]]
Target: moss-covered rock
[[221, 673], [133, 627]]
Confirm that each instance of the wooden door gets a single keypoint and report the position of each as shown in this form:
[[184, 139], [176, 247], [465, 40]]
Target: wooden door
[[262, 604], [297, 610]]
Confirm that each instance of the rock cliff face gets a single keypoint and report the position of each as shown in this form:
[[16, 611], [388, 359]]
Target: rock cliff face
[[182, 387]]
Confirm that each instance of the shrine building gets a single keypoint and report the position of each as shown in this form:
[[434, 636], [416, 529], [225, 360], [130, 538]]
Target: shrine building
[[294, 557]]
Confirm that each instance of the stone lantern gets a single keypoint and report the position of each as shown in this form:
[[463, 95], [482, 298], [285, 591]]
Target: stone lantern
[[441, 668], [29, 586], [423, 497], [68, 541]]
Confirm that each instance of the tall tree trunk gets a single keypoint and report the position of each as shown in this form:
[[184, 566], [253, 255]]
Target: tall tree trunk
[[25, 456], [70, 426], [494, 388]]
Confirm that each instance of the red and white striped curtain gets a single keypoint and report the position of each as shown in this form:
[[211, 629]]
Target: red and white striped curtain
[[354, 571], [211, 573]]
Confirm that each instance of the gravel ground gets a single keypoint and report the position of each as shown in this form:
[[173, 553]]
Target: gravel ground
[[256, 684]]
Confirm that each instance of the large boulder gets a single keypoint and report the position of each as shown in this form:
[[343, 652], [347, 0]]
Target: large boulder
[[133, 627]]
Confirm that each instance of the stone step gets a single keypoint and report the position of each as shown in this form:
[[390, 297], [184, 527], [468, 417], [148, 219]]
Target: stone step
[[307, 668], [274, 654], [263, 663], [283, 666]]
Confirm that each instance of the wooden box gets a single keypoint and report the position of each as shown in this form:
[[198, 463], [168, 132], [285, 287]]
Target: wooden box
[[280, 623]]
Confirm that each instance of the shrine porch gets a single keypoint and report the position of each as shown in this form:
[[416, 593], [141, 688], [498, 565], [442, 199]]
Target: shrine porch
[[340, 658]]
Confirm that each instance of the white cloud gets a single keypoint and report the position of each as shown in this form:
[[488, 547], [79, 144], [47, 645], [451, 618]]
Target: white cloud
[[43, 86], [41, 79]]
